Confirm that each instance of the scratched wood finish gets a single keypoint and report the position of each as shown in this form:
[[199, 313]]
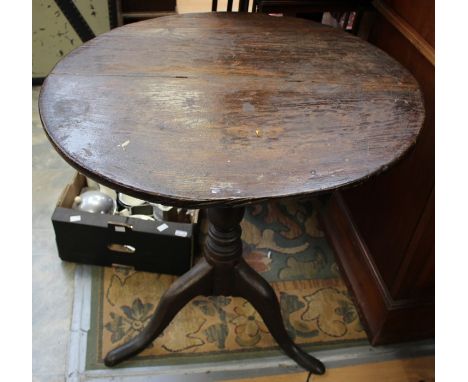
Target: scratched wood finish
[[219, 108]]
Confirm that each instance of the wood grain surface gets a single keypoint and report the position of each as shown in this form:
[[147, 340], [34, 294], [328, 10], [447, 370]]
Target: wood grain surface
[[420, 369], [219, 108]]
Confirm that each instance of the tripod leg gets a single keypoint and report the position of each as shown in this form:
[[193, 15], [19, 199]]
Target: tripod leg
[[251, 286], [197, 281]]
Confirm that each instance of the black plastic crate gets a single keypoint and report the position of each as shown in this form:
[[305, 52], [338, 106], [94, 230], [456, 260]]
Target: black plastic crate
[[113, 240]]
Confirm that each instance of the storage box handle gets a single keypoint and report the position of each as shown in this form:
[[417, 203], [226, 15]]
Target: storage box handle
[[119, 226], [121, 248]]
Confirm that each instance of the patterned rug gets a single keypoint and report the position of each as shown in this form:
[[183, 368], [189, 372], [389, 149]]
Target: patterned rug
[[282, 241]]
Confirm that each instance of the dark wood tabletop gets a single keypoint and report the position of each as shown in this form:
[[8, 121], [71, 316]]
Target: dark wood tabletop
[[215, 108]]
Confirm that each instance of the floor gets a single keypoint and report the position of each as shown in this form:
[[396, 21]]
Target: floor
[[419, 369], [52, 280]]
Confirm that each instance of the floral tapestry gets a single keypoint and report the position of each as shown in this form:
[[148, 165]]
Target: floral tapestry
[[284, 243]]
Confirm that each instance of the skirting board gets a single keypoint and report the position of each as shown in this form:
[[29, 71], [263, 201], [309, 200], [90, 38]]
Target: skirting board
[[386, 320]]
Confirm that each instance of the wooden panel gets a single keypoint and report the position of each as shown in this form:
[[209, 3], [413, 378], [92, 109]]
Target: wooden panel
[[416, 275], [387, 208], [410, 33], [383, 230], [385, 318], [420, 14], [355, 262]]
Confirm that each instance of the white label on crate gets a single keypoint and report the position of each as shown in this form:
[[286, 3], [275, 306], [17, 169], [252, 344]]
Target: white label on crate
[[162, 227], [181, 233], [75, 218], [119, 229]]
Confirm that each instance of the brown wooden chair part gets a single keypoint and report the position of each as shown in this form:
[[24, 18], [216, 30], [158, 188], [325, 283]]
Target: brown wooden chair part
[[129, 11], [347, 13], [243, 5]]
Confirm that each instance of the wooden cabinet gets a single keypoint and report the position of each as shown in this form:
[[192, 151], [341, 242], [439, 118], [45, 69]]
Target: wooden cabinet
[[383, 230]]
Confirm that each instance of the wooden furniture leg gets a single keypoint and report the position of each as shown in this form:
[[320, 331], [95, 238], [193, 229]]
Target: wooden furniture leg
[[234, 277], [223, 271], [251, 286], [195, 282]]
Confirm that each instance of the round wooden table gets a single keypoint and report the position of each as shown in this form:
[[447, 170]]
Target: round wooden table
[[219, 110]]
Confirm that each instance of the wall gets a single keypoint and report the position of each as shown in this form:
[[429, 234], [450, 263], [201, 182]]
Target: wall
[[52, 35]]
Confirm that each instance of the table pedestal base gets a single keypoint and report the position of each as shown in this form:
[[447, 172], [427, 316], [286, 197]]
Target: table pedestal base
[[222, 271]]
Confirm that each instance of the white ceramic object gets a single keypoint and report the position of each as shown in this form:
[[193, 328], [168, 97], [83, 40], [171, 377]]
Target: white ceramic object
[[130, 201], [108, 191], [124, 212], [92, 184]]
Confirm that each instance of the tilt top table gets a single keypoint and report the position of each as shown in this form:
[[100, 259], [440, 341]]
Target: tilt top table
[[220, 110]]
